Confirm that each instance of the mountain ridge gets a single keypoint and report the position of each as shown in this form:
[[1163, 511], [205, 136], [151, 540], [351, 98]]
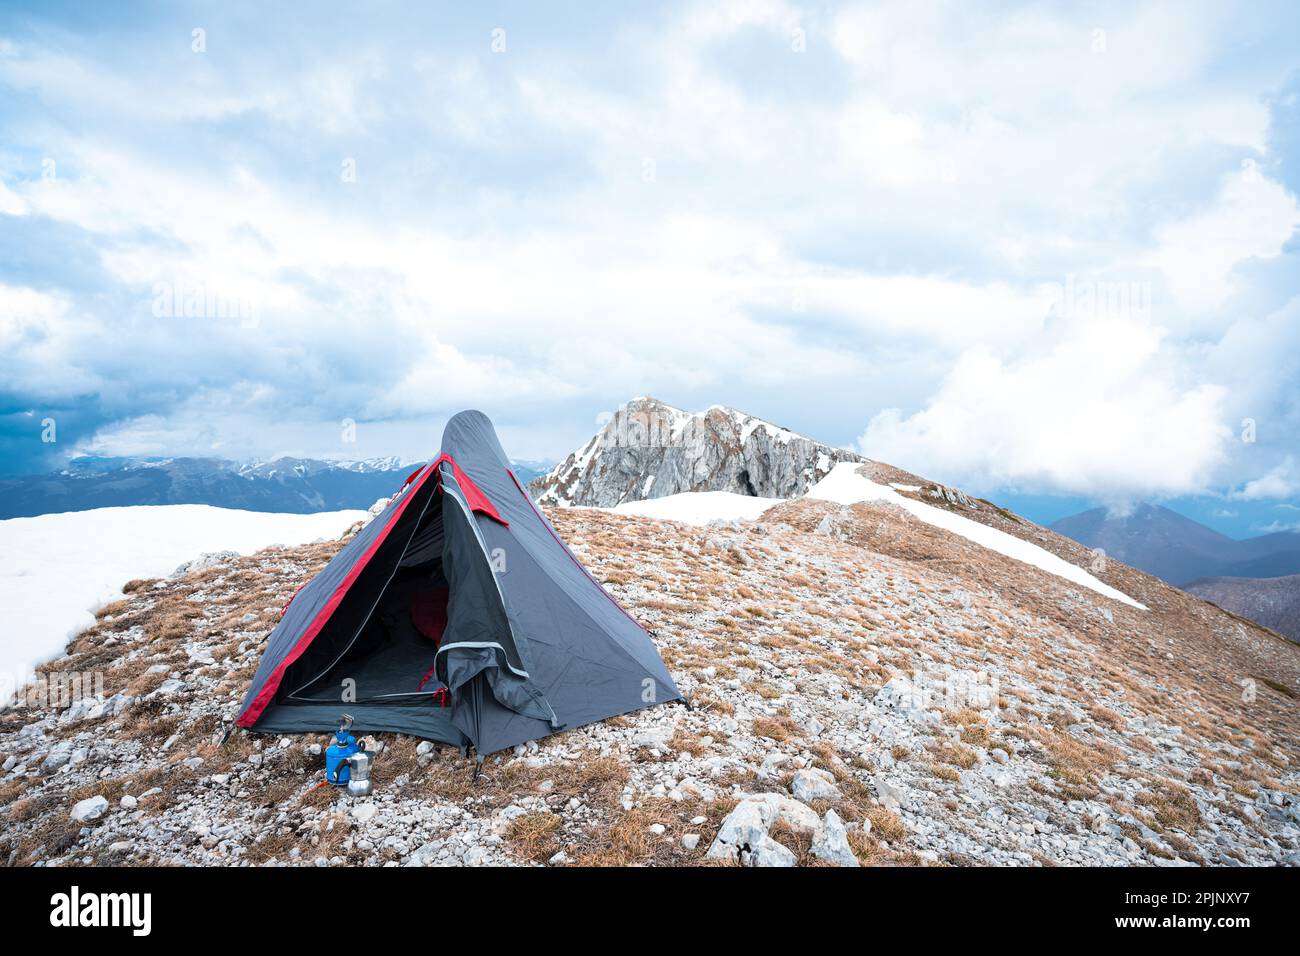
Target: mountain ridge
[[650, 449], [285, 484], [1272, 602], [1178, 549]]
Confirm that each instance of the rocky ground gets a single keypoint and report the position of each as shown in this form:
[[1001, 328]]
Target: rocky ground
[[864, 688]]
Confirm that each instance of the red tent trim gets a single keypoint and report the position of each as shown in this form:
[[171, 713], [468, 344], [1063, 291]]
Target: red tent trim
[[264, 697], [474, 496], [477, 501]]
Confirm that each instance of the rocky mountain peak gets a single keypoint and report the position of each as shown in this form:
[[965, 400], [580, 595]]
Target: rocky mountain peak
[[649, 449]]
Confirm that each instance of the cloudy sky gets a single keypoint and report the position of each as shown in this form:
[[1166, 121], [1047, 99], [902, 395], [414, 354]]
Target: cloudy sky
[[1033, 250]]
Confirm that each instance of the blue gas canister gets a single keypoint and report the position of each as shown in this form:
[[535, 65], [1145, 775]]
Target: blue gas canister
[[337, 770]]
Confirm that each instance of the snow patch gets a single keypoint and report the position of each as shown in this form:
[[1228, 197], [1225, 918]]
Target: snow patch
[[698, 507], [845, 486], [56, 569]]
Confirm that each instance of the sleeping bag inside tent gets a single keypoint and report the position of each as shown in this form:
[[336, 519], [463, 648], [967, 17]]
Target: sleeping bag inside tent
[[457, 615]]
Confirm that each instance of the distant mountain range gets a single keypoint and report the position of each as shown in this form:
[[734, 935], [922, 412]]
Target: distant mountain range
[[287, 485], [1258, 578], [1179, 550]]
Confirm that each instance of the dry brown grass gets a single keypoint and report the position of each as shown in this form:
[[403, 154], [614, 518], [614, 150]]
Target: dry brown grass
[[684, 741], [108, 788], [534, 836], [955, 754], [272, 846], [886, 824], [778, 728], [976, 734], [11, 790], [625, 838], [1173, 805]]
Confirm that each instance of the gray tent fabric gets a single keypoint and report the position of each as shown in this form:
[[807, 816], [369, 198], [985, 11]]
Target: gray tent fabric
[[531, 644]]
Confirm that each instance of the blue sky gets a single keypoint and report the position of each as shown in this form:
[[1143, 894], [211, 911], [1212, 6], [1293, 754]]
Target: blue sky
[[1047, 253]]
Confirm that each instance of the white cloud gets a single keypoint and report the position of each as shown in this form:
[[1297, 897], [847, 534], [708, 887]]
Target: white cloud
[[44, 343], [1282, 481], [1100, 412], [1252, 217], [11, 204], [877, 221]]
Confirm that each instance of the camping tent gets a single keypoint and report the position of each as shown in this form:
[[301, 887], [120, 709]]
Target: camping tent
[[456, 615]]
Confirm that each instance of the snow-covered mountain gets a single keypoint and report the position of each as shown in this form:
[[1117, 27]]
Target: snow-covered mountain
[[282, 485], [287, 465], [650, 450]]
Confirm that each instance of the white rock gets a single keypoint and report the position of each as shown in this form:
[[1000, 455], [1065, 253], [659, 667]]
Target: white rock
[[742, 829], [789, 811], [814, 784], [745, 829], [767, 852], [652, 741], [92, 808], [658, 829], [832, 844], [900, 693], [129, 802], [363, 813], [771, 765], [889, 795]]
